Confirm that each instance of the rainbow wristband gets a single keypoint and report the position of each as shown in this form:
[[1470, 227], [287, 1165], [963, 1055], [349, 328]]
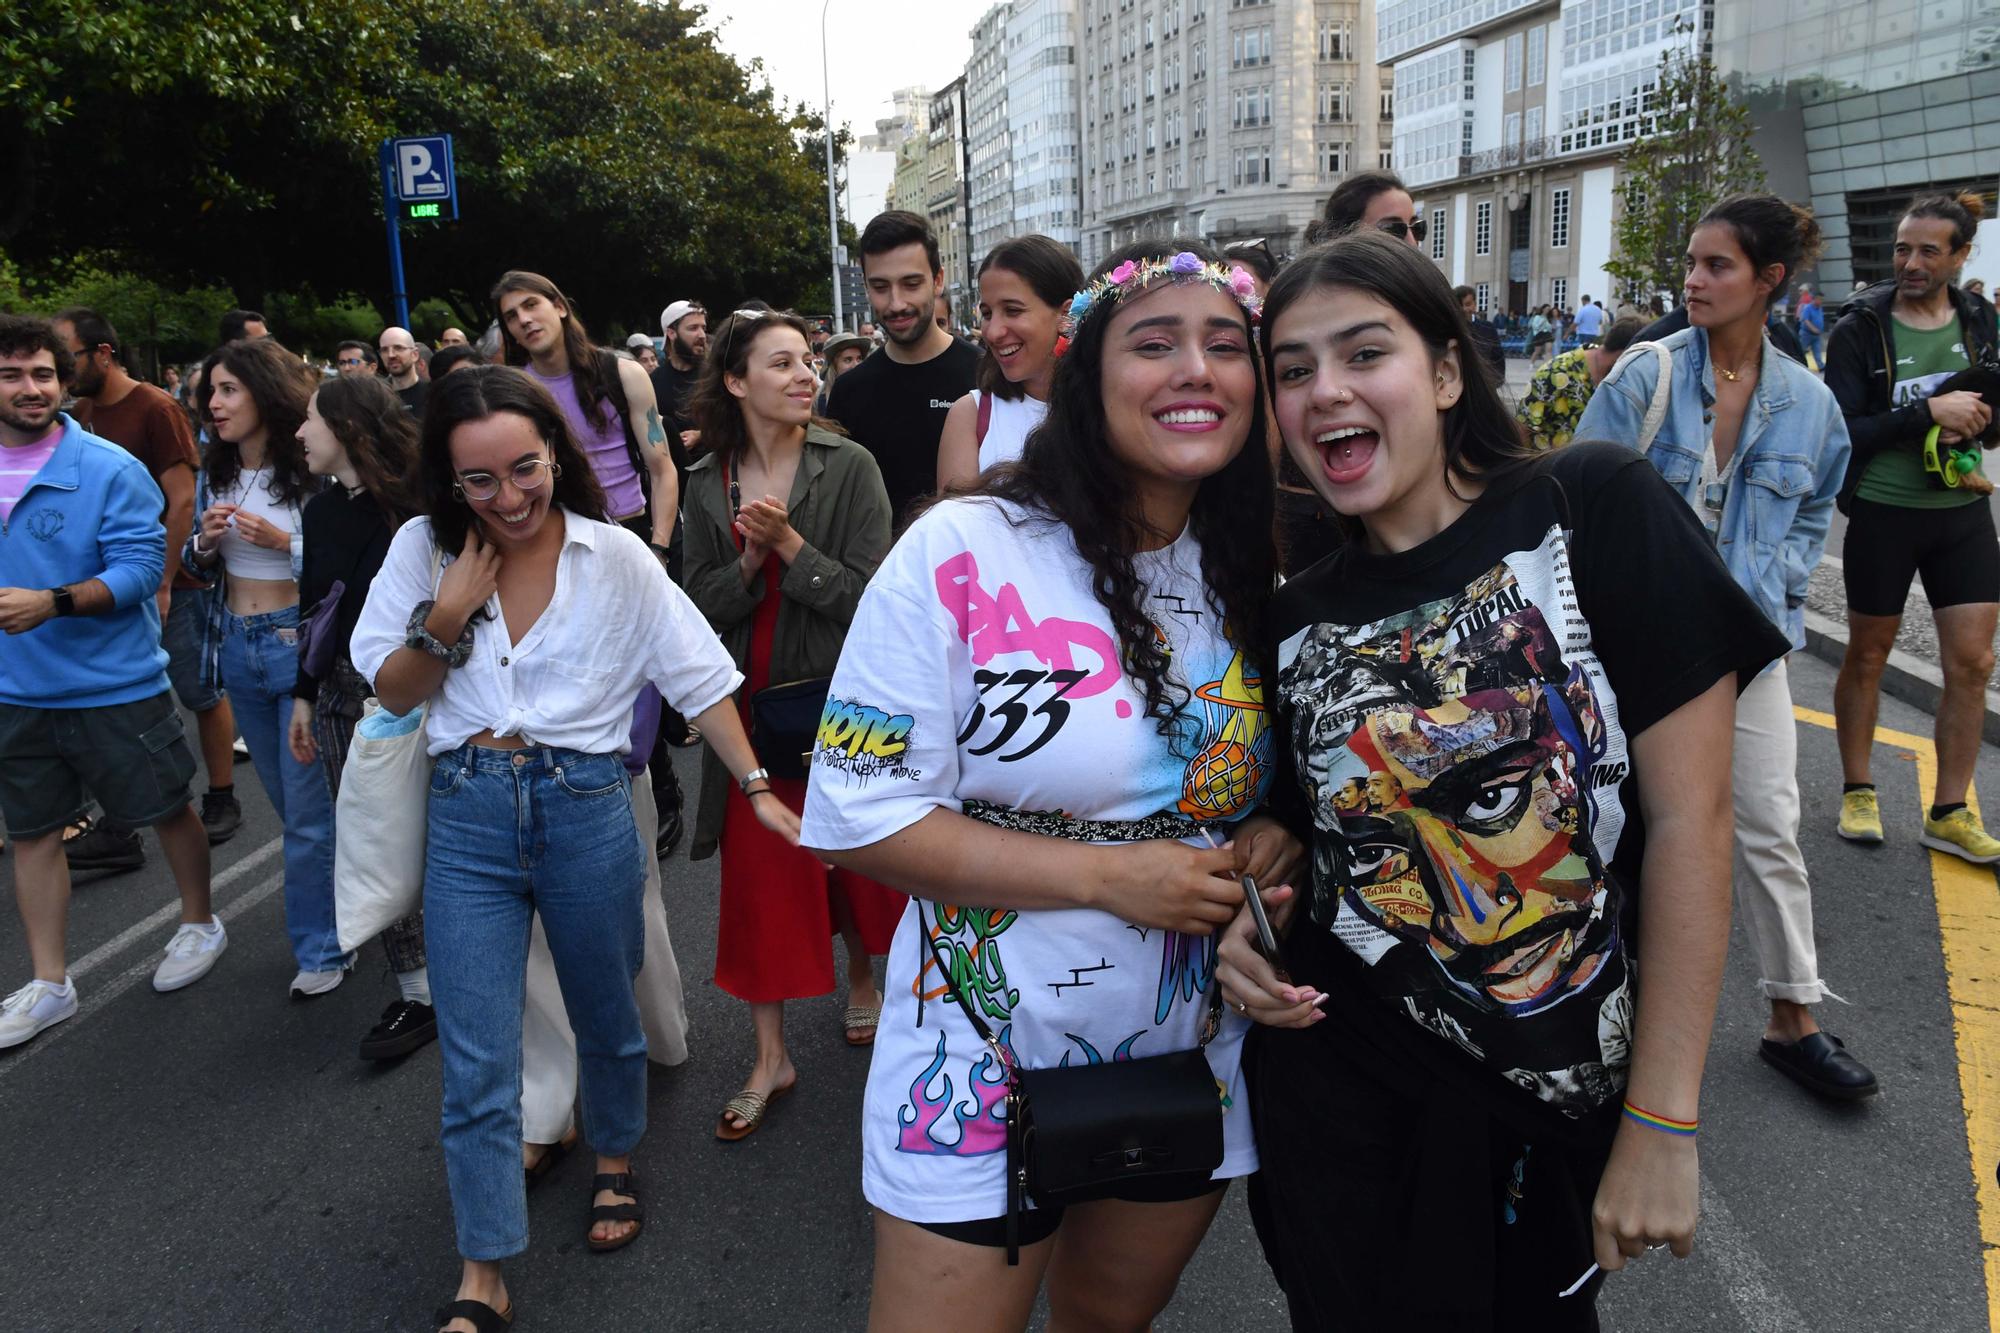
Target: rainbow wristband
[[1683, 1128]]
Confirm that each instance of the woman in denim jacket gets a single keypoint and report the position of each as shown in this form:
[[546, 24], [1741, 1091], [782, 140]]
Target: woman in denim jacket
[[1757, 445]]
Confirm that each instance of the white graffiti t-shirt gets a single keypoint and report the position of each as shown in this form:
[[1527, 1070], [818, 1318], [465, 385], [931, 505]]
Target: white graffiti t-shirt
[[981, 672]]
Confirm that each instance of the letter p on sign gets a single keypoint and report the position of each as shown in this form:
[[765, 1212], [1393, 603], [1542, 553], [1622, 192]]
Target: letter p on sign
[[415, 177]]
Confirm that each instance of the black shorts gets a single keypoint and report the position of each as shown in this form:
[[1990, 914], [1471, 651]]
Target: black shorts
[[1038, 1224], [1953, 549], [132, 757]]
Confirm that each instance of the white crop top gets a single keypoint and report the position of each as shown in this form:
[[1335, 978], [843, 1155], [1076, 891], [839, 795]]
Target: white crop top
[[1007, 429], [242, 558]]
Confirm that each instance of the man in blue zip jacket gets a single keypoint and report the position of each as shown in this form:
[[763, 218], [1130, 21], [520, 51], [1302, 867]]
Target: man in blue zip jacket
[[84, 702]]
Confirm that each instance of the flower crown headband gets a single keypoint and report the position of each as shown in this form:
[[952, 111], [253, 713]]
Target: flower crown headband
[[1135, 275]]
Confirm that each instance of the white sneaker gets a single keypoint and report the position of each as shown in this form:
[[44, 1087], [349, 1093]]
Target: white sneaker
[[190, 953], [308, 984], [35, 1006]]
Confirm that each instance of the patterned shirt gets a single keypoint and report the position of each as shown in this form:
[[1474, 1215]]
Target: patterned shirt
[[1555, 399]]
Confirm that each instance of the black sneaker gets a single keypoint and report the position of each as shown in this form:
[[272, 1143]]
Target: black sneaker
[[101, 847], [221, 815], [405, 1025]]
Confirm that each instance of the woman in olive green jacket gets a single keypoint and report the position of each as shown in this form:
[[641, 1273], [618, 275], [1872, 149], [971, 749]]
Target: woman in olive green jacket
[[779, 580]]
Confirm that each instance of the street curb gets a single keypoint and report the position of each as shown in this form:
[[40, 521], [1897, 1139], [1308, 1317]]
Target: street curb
[[1911, 679]]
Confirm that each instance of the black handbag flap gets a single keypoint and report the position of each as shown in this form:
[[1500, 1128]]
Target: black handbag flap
[[1088, 1129]]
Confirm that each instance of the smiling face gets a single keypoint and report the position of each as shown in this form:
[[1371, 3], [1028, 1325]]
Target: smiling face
[[1179, 387], [1360, 401], [1924, 258], [777, 383], [903, 289], [1722, 285], [505, 447], [1018, 327], [232, 411], [30, 394], [325, 455], [533, 320]]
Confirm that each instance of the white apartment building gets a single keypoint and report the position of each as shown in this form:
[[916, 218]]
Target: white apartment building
[[1511, 116], [1224, 119], [1021, 111]]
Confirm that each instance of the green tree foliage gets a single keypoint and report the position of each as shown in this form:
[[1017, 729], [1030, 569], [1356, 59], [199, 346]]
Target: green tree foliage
[[1694, 151], [607, 143]]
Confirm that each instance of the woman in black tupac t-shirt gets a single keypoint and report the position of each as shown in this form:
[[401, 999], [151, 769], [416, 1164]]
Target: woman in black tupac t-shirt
[[1517, 667]]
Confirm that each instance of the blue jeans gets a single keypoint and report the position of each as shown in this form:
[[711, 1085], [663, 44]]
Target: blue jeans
[[514, 833], [260, 664]]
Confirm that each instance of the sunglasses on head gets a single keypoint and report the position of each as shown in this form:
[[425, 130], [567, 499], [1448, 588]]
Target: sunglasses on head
[[1396, 227]]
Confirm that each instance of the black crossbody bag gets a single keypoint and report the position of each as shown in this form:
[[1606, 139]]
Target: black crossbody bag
[[1082, 1132]]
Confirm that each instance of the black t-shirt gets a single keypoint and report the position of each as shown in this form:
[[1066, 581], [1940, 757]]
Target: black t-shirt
[[346, 540], [896, 412], [415, 397], [1457, 721], [671, 390]]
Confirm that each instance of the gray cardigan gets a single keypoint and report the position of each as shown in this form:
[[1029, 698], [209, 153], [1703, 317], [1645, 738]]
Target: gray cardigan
[[838, 505]]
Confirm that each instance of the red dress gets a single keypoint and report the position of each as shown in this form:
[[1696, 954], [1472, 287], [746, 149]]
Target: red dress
[[778, 900]]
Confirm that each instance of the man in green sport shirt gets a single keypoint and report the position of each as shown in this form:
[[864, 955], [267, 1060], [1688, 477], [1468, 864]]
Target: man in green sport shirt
[[1895, 344]]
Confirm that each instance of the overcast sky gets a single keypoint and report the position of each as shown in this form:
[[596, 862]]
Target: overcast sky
[[874, 47]]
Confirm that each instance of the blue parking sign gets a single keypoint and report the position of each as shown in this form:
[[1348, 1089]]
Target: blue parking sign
[[421, 171]]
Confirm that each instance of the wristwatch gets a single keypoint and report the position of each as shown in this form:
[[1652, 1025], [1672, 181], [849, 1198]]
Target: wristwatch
[[418, 636], [754, 775], [65, 602]]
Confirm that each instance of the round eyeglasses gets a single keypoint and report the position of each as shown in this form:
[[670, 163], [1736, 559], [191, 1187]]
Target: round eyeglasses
[[530, 474]]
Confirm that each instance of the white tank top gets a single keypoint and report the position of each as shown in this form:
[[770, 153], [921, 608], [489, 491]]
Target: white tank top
[[242, 558], [1007, 427]]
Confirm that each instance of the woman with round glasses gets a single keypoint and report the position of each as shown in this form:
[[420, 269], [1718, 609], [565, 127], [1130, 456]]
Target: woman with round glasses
[[524, 624], [786, 521]]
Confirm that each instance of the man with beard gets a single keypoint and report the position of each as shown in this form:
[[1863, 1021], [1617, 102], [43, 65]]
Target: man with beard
[[150, 426], [894, 403], [84, 701], [399, 367], [684, 325], [1891, 363]]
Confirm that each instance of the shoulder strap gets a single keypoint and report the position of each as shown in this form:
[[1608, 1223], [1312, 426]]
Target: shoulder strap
[[614, 392], [1656, 409], [985, 416]]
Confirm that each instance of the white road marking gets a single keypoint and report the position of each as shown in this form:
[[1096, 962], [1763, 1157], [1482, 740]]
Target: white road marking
[[171, 912], [95, 1001], [1747, 1281]]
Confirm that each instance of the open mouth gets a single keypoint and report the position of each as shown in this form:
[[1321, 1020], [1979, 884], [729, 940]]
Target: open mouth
[[1530, 971], [1347, 452], [516, 518], [1008, 351]]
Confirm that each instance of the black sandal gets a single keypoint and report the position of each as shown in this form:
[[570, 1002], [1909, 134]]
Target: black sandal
[[621, 1183], [484, 1317]]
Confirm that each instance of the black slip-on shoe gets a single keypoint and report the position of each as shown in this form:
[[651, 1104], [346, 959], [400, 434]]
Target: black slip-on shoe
[[1820, 1063], [404, 1027]]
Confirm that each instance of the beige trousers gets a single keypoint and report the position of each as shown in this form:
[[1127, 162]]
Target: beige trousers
[[548, 1047], [1773, 897]]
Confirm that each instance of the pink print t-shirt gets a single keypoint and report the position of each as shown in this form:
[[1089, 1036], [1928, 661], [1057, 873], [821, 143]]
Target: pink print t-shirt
[[981, 676], [18, 468]]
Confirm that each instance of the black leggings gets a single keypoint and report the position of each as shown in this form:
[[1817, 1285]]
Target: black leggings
[[1954, 550]]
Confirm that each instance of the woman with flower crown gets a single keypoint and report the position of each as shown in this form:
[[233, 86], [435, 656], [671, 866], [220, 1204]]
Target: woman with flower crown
[[1047, 726]]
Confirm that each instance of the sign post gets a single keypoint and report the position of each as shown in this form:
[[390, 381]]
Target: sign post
[[419, 182]]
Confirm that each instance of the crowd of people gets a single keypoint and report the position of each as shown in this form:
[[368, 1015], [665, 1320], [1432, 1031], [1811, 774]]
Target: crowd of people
[[1210, 652]]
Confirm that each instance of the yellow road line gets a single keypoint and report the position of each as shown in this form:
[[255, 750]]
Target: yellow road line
[[1968, 911]]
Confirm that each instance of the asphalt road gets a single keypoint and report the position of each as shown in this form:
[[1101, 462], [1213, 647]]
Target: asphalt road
[[219, 1159]]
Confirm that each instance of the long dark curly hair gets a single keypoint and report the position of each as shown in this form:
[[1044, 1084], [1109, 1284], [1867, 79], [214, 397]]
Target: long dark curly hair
[[474, 394], [280, 384], [1068, 472]]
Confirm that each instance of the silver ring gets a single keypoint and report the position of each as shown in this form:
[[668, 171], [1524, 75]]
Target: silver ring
[[1241, 1008], [1661, 1246]]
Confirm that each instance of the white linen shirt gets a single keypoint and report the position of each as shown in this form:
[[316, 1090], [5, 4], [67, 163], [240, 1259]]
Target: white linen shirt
[[614, 623]]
